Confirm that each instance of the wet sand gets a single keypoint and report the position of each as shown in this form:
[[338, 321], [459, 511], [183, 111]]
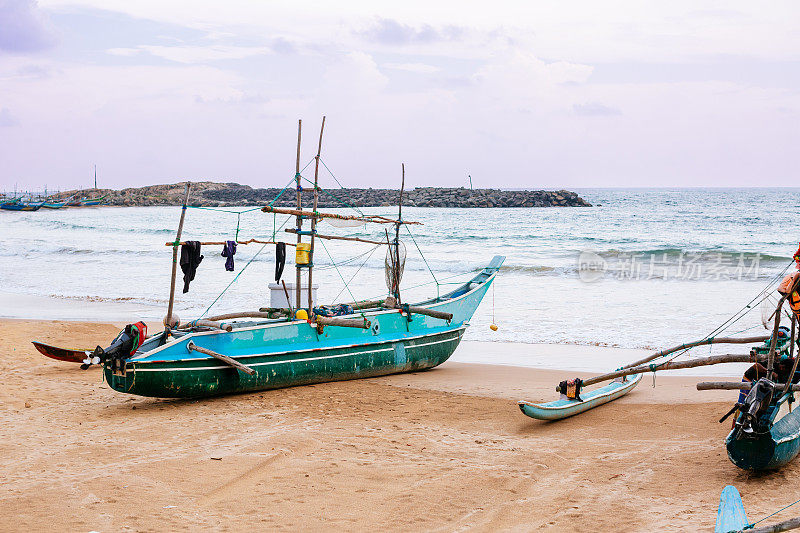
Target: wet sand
[[441, 450]]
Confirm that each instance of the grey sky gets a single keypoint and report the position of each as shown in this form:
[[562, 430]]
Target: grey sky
[[517, 94]]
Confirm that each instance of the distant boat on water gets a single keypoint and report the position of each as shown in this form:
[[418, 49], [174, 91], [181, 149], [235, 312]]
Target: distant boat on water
[[56, 205], [19, 205], [87, 202]]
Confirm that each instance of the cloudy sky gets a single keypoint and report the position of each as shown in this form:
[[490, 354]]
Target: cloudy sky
[[515, 93]]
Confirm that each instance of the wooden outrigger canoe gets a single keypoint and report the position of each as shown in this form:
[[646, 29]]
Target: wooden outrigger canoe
[[566, 407], [284, 354], [759, 440]]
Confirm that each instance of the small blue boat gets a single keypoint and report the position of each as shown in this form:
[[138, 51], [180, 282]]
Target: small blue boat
[[589, 400]]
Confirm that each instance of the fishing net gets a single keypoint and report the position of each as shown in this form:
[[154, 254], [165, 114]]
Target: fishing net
[[393, 265]]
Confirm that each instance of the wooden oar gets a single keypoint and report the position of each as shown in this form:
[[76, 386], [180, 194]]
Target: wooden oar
[[710, 340], [192, 347]]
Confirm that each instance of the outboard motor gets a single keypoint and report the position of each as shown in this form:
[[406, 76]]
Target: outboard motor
[[122, 347], [755, 405]]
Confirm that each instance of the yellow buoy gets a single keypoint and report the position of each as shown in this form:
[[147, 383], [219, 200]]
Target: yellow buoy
[[493, 327], [301, 315], [301, 253]]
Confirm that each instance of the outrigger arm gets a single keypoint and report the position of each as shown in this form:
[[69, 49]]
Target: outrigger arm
[[636, 367], [677, 365]]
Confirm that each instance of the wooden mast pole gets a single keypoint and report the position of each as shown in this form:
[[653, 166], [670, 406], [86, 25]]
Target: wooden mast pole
[[792, 355], [314, 219], [298, 268], [168, 320], [397, 234]]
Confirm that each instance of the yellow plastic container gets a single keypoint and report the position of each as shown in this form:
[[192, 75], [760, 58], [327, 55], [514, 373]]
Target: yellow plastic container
[[301, 253]]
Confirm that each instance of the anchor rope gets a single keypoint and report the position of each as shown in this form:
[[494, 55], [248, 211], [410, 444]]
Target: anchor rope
[[750, 526]]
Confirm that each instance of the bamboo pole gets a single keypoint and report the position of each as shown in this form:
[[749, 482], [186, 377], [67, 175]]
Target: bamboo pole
[[786, 525], [391, 303], [677, 365], [299, 220], [243, 314], [208, 324], [396, 269], [342, 322], [710, 340], [367, 304], [306, 214], [192, 347], [774, 339], [168, 320], [251, 241], [791, 354], [740, 385], [314, 220], [337, 237]]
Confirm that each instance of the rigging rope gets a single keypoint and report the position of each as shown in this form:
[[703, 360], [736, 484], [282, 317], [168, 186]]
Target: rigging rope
[[232, 281], [750, 526], [357, 271], [425, 260], [322, 242], [737, 316]]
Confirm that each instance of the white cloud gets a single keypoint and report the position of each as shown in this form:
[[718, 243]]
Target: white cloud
[[193, 54], [420, 68]]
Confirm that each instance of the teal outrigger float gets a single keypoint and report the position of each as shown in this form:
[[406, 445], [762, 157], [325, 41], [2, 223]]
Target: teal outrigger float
[[290, 345]]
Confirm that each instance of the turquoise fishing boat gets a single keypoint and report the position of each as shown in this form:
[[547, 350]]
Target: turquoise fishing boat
[[300, 352], [296, 342]]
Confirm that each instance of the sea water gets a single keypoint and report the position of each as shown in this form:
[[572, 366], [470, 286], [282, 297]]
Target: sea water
[[643, 268]]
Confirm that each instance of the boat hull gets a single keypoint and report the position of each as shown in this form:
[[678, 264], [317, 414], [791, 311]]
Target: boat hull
[[565, 408], [201, 377], [770, 450]]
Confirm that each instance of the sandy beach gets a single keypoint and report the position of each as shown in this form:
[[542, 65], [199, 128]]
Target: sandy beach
[[441, 450]]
